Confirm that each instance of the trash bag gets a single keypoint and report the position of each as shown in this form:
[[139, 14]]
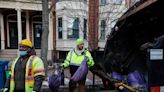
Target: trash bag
[[54, 82], [137, 79], [81, 71], [55, 79]]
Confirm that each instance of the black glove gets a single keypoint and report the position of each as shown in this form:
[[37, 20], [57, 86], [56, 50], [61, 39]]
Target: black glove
[[61, 67]]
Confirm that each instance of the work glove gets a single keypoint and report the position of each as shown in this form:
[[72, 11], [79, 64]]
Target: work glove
[[61, 67], [5, 90], [86, 59]]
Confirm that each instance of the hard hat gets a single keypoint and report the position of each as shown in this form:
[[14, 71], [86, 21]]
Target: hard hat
[[26, 42], [79, 41]]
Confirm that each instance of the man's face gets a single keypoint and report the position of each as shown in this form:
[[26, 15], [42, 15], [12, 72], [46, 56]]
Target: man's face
[[80, 46], [23, 48]]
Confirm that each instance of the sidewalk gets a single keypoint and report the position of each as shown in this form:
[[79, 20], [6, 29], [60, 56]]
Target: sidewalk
[[64, 88], [88, 89], [89, 84]]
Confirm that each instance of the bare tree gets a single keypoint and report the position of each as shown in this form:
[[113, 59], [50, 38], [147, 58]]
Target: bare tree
[[109, 10], [45, 31]]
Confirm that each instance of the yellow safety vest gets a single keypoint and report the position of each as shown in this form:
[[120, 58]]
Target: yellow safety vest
[[74, 59], [34, 67]]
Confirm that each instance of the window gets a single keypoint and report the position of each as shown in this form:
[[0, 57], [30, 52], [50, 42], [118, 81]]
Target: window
[[73, 27], [85, 0], [60, 28], [132, 2], [12, 33], [102, 30], [117, 1], [103, 2], [85, 29]]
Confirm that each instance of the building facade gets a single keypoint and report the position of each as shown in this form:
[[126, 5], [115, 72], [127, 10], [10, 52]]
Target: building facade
[[21, 19]]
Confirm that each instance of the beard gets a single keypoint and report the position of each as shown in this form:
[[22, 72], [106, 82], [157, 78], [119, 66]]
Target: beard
[[79, 50]]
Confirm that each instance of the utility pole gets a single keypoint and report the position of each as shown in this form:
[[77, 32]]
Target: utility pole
[[45, 31]]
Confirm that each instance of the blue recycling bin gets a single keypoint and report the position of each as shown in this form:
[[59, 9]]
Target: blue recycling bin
[[3, 67]]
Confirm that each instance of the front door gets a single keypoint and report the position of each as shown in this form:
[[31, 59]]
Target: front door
[[37, 35], [13, 35]]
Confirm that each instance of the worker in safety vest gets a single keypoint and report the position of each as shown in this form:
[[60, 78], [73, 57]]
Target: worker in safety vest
[[27, 71], [74, 60]]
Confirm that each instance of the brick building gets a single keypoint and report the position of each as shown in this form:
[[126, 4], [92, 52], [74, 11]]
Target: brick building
[[21, 19]]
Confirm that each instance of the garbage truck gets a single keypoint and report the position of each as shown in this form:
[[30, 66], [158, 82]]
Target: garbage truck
[[134, 49]]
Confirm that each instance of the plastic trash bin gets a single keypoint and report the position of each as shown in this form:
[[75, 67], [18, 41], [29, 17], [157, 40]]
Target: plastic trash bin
[[3, 66]]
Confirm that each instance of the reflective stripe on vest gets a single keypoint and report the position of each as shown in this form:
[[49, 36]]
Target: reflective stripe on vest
[[72, 63], [29, 80], [39, 70]]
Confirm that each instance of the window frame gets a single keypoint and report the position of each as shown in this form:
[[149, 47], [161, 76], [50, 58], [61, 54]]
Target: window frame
[[60, 28], [74, 32]]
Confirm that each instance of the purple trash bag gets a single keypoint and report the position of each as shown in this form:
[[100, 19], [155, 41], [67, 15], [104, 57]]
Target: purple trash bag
[[54, 81], [137, 79], [81, 71], [117, 76]]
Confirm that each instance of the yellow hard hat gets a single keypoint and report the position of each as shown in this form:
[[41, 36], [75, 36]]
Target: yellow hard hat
[[26, 42]]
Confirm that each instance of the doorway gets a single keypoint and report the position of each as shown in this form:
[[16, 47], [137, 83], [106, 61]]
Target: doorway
[[37, 34]]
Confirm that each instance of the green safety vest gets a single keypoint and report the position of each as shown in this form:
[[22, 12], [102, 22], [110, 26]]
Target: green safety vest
[[74, 59]]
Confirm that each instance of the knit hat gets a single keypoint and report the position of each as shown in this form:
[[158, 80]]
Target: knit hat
[[79, 41]]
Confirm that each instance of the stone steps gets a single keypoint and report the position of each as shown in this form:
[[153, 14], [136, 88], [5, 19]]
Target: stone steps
[[10, 54]]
